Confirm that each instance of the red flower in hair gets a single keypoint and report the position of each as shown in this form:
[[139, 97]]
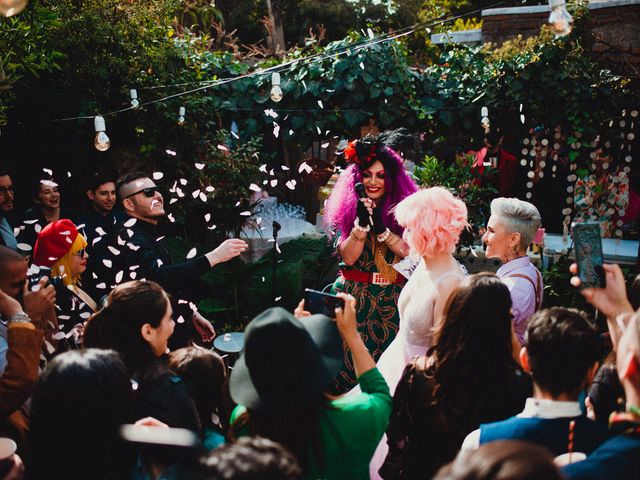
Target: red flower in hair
[[350, 154]]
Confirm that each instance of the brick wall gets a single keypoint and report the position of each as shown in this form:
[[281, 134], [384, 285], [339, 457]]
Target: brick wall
[[615, 29]]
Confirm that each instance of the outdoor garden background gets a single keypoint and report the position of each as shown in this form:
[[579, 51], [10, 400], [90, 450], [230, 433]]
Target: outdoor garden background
[[341, 72]]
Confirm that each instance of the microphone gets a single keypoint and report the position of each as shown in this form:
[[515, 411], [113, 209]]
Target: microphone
[[275, 226], [363, 194]]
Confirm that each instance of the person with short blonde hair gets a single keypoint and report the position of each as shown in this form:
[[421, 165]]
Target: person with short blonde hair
[[510, 230]]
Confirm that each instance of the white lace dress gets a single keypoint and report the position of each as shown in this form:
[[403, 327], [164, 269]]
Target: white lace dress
[[416, 306]]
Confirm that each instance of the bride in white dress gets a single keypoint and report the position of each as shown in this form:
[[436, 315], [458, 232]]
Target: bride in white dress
[[433, 220]]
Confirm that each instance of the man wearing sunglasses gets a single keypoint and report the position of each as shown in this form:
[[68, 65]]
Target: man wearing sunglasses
[[145, 255]]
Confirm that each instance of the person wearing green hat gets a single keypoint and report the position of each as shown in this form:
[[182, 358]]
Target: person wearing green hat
[[280, 380]]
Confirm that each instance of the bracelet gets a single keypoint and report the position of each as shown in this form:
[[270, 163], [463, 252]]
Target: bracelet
[[19, 317], [393, 240], [384, 236], [356, 238], [356, 225]]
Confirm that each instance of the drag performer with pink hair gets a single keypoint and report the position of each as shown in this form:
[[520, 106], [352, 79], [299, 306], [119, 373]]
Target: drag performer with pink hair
[[369, 239]]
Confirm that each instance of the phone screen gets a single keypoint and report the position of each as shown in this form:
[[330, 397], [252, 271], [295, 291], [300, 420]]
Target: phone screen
[[589, 256], [320, 302]]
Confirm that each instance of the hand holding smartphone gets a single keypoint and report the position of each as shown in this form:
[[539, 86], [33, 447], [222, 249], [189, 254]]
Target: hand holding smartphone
[[589, 257], [320, 302]]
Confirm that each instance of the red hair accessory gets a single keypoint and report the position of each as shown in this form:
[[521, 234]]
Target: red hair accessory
[[351, 155]]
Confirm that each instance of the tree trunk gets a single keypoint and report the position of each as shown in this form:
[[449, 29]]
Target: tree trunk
[[276, 30]]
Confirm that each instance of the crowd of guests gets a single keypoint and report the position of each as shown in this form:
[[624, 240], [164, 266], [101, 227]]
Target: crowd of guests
[[424, 371]]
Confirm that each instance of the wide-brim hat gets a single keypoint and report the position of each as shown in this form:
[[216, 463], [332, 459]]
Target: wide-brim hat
[[285, 361]]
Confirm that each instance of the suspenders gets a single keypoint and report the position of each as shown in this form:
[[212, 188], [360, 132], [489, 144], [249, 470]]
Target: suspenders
[[537, 286]]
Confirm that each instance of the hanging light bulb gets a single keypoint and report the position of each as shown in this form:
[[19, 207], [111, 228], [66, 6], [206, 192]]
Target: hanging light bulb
[[134, 98], [101, 142], [9, 8], [484, 113], [276, 91], [181, 112], [560, 20]]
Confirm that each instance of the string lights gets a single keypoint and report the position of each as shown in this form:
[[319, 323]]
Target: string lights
[[8, 8], [276, 91], [101, 142], [134, 98], [560, 20], [485, 123]]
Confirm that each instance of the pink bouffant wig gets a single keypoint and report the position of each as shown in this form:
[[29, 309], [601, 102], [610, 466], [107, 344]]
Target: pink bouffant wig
[[434, 218], [340, 209]]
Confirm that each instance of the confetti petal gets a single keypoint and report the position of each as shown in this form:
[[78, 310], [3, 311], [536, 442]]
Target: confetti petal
[[199, 166], [304, 167], [254, 187], [192, 253], [158, 175]]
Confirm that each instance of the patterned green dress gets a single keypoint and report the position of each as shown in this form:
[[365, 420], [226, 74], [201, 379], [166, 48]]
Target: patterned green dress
[[376, 309]]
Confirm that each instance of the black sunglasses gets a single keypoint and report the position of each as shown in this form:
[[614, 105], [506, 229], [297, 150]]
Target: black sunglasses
[[148, 192]]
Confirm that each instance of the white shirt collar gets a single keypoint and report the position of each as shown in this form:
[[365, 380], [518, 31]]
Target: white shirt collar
[[538, 408]]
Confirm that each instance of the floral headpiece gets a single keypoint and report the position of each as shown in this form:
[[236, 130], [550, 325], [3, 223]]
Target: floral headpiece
[[363, 159]]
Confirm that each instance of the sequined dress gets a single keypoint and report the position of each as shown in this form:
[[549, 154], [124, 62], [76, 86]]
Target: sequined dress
[[416, 307]]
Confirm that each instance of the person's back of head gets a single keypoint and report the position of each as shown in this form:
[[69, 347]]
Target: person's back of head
[[473, 343], [250, 458], [561, 348], [80, 400], [502, 460], [205, 372]]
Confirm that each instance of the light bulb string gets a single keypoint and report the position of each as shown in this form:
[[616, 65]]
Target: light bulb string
[[285, 65]]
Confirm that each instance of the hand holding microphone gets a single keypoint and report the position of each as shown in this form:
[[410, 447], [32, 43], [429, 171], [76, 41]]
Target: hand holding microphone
[[364, 209]]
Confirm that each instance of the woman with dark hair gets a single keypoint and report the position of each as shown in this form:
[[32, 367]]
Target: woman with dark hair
[[79, 403], [136, 322], [467, 378], [369, 239], [206, 373], [280, 381], [46, 209]]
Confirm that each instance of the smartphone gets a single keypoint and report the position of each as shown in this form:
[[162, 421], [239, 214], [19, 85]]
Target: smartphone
[[320, 302], [589, 256]]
